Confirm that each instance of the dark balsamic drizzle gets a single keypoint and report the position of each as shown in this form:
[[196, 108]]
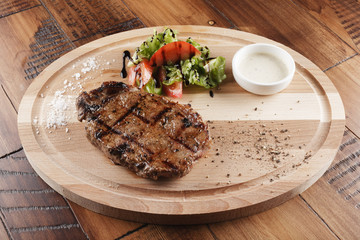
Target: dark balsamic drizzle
[[211, 93], [126, 55]]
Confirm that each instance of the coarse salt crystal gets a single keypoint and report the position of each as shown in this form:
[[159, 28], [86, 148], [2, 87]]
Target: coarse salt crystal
[[58, 106], [77, 76], [89, 65], [60, 103], [35, 120]]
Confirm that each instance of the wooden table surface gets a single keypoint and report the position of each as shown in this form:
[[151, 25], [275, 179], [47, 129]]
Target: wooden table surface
[[34, 33]]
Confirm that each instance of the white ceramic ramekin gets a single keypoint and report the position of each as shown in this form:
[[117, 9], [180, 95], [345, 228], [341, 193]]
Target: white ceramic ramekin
[[257, 87]]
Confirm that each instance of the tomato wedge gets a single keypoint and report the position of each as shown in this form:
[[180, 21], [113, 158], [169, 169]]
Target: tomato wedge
[[140, 74], [146, 71], [174, 90], [172, 53], [132, 75]]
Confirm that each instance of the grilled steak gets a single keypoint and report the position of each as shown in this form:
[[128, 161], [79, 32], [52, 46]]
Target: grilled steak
[[149, 134]]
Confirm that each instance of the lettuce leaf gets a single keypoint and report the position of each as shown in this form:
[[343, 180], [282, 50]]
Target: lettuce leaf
[[205, 52], [151, 87], [152, 44], [208, 74], [216, 69], [173, 74]]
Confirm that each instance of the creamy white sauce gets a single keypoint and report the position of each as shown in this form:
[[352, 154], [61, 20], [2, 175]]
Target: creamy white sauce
[[263, 68]]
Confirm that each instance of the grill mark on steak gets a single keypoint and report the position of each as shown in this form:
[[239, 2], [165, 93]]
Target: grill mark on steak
[[148, 134], [182, 143], [126, 114], [157, 117], [120, 133]]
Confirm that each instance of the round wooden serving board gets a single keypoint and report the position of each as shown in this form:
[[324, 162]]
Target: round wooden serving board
[[265, 149]]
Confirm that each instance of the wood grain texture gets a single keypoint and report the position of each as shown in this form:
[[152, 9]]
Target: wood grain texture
[[345, 78], [98, 226], [341, 184], [8, 7], [341, 17], [172, 13], [3, 233], [49, 44], [31, 41], [338, 17], [227, 168], [148, 232], [292, 26], [29, 208], [82, 19], [128, 25], [9, 140], [348, 13], [291, 220]]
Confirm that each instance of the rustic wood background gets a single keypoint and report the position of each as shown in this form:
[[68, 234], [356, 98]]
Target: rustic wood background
[[34, 33]]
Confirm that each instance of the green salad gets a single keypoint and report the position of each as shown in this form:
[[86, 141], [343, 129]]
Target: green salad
[[163, 65]]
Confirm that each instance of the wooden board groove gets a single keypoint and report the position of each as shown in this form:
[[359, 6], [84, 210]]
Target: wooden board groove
[[237, 178]]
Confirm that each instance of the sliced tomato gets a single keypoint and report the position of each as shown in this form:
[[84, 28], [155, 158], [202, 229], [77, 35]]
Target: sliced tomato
[[172, 53], [132, 75], [146, 71], [140, 74], [174, 90]]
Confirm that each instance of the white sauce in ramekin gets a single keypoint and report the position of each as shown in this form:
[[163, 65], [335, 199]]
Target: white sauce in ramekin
[[263, 68]]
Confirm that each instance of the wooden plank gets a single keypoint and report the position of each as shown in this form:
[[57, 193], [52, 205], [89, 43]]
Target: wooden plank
[[148, 232], [98, 226], [342, 17], [173, 13], [9, 136], [292, 26], [32, 41], [291, 220], [3, 232], [348, 12], [29, 207], [59, 232], [15, 197], [82, 19], [9, 7], [20, 218], [341, 184], [128, 25], [345, 78]]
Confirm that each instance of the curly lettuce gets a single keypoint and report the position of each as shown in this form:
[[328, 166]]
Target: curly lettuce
[[152, 44], [199, 70]]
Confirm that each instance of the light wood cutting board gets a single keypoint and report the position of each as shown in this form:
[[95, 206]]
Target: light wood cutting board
[[265, 149]]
